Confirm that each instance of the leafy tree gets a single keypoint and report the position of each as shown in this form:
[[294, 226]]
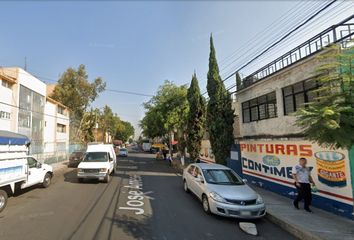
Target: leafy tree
[[124, 130], [108, 120], [220, 116], [76, 92], [88, 126], [329, 120], [167, 111], [196, 119]]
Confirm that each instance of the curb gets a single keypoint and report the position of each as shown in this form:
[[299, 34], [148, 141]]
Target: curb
[[294, 230]]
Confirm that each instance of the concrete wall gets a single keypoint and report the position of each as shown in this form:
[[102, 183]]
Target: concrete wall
[[282, 124], [6, 97], [53, 138]]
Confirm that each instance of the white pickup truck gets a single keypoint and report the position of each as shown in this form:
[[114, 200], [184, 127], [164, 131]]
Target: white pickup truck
[[100, 162], [17, 169]]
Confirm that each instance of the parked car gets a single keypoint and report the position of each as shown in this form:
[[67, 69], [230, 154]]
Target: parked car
[[123, 152], [99, 163], [222, 191], [75, 158], [17, 169]]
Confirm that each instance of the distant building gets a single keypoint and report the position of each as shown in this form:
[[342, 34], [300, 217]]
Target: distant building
[[26, 109]]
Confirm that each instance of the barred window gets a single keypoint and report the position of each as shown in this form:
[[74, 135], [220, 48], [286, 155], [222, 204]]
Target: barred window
[[295, 96], [260, 108]]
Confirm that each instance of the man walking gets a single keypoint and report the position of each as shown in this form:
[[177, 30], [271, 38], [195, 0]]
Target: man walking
[[302, 176]]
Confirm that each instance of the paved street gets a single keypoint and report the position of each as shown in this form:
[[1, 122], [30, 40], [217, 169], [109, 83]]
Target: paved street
[[118, 210]]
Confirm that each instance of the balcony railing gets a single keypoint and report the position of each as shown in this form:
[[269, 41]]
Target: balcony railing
[[342, 33]]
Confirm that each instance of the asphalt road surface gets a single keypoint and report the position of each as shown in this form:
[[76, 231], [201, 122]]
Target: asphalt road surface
[[144, 200]]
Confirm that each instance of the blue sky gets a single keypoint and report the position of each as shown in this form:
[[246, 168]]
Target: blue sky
[[134, 46]]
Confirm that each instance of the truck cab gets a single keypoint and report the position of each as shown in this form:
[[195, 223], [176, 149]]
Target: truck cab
[[99, 163], [17, 169]]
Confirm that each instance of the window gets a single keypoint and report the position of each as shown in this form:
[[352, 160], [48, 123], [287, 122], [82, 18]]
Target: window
[[32, 163], [260, 108], [61, 110], [61, 128], [5, 115], [6, 84], [191, 169], [295, 96]]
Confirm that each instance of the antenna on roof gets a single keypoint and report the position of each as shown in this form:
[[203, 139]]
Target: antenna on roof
[[25, 63]]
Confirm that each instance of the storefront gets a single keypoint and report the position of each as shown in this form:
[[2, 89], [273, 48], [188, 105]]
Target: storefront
[[268, 163]]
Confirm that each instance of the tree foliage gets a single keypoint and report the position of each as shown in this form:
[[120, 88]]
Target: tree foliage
[[220, 115], [238, 81], [196, 119], [166, 111], [329, 119], [124, 131], [76, 92]]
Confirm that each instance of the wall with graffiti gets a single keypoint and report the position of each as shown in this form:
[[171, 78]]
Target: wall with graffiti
[[269, 164]]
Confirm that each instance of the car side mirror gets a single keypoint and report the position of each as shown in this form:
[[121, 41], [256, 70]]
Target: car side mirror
[[39, 165], [245, 180], [199, 178]]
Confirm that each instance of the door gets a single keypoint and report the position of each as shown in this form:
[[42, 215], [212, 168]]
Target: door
[[35, 172], [198, 184]]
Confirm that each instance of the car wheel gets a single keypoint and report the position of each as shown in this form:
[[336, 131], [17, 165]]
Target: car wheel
[[3, 200], [107, 178], [205, 202], [185, 186], [47, 180]]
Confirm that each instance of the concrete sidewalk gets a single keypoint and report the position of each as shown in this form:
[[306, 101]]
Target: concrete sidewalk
[[304, 225], [60, 165]]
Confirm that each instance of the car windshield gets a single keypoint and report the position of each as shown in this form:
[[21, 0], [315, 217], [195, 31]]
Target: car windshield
[[222, 177], [123, 150], [96, 157]]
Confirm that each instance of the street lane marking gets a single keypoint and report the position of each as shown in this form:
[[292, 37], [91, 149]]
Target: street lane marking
[[135, 195]]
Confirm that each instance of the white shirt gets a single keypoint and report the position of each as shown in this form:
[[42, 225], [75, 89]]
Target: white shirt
[[302, 173]]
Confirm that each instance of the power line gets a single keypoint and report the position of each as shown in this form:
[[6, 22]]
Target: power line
[[287, 18], [32, 111], [306, 30], [282, 38], [51, 80]]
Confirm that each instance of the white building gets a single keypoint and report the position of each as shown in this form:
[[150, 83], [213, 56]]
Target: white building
[[56, 127], [26, 109]]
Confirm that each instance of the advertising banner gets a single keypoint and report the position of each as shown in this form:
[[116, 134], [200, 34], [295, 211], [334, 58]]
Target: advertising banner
[[273, 161]]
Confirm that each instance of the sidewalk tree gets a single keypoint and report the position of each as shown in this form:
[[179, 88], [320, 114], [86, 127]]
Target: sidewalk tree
[[220, 115], [76, 92], [329, 119], [124, 130], [166, 112], [196, 119]]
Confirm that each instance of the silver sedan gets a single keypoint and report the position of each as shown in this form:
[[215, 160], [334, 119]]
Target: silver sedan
[[222, 191]]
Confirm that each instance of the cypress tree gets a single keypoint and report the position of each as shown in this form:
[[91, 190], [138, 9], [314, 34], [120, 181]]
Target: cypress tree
[[220, 115], [238, 81], [196, 119]]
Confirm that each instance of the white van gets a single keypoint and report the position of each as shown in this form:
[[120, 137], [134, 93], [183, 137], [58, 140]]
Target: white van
[[100, 162], [17, 169]]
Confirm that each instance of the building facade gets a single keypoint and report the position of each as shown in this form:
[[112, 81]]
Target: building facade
[[269, 141], [26, 109]]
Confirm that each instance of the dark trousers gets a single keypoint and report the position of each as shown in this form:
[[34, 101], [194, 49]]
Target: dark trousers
[[303, 192]]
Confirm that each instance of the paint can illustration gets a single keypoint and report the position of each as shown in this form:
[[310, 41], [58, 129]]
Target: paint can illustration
[[331, 168]]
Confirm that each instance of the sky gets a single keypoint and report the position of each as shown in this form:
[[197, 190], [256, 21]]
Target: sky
[[134, 46]]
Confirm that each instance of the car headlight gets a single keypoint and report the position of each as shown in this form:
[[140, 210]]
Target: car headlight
[[217, 197], [80, 170], [103, 169], [259, 200]]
